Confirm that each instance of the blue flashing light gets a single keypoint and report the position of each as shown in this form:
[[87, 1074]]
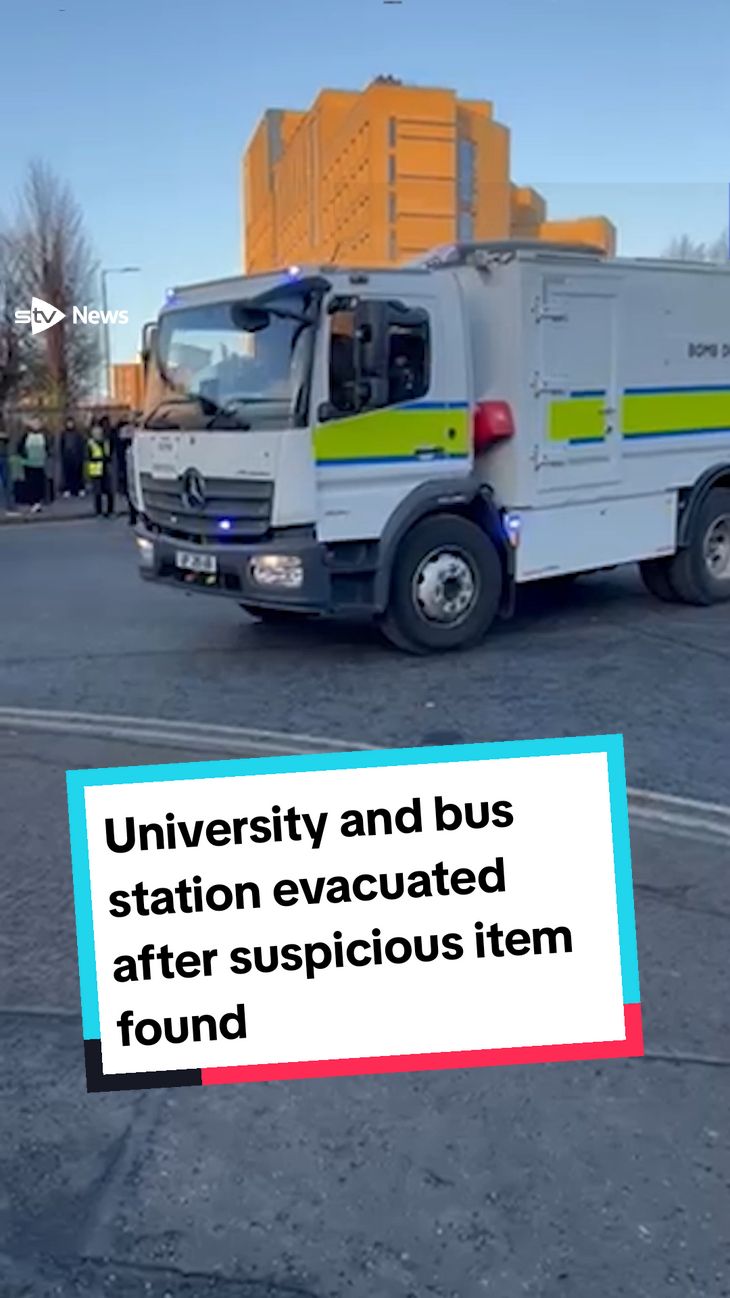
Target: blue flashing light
[[294, 272], [224, 525], [512, 527]]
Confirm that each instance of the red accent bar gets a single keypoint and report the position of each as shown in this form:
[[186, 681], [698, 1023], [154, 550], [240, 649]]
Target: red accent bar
[[631, 1046]]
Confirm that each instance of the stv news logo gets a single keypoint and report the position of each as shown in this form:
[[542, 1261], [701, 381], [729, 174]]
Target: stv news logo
[[42, 315]]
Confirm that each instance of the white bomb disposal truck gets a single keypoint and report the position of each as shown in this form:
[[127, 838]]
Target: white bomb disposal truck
[[412, 444]]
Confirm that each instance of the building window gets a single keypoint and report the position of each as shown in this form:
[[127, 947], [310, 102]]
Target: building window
[[465, 227], [466, 172], [391, 169], [391, 208], [408, 375], [392, 132]]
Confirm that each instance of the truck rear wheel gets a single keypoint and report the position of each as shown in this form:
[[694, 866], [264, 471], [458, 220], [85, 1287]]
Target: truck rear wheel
[[656, 576], [700, 573], [445, 586]]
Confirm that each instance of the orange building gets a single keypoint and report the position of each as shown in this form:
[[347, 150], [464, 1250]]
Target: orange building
[[128, 384], [380, 176]]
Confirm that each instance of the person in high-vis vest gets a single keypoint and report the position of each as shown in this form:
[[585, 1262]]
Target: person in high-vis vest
[[99, 471]]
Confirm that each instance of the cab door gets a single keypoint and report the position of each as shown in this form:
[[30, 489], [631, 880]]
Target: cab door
[[413, 427], [576, 385]]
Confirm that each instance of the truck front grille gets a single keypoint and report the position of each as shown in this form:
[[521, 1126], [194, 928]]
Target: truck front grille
[[244, 504]]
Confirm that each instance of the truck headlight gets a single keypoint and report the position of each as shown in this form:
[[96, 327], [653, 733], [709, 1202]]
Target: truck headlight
[[284, 570], [145, 552]]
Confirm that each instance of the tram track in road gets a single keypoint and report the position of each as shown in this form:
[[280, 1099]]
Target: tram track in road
[[661, 812]]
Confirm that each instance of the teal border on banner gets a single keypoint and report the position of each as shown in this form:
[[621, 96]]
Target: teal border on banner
[[612, 745]]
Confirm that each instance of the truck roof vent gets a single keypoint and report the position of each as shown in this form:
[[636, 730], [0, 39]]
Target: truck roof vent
[[480, 254]]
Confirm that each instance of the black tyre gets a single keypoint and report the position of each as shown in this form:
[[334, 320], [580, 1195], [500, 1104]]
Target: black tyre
[[700, 573], [445, 586], [656, 576], [274, 616]]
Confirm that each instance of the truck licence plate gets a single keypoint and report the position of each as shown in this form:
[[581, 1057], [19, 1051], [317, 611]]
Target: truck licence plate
[[196, 562]]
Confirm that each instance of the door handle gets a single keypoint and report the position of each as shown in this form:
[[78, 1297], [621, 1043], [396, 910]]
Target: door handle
[[540, 459], [430, 452]]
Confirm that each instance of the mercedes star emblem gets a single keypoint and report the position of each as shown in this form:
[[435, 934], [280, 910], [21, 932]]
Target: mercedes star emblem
[[193, 489]]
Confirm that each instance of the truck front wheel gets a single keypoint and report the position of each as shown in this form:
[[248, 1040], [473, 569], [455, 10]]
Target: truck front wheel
[[446, 586]]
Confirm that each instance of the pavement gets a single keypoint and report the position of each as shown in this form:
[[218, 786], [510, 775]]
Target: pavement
[[561, 1181], [60, 511]]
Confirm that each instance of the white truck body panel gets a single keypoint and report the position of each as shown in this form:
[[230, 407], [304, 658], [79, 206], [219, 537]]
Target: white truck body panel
[[617, 373], [649, 339]]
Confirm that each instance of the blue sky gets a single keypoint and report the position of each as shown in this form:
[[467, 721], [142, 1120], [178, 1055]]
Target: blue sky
[[145, 106]]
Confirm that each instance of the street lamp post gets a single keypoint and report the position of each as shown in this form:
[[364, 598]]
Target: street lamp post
[[110, 270]]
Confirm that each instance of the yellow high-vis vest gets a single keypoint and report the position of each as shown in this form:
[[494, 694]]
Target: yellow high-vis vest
[[96, 455]]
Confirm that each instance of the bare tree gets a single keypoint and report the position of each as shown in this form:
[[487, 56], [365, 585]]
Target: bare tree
[[57, 265], [686, 249], [718, 250], [13, 354]]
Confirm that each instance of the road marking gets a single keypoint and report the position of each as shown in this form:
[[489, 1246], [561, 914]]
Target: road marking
[[238, 740], [688, 816], [661, 812]]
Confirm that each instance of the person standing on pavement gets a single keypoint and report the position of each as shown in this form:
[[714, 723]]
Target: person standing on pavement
[[34, 450], [99, 470], [125, 435], [6, 490], [72, 459], [51, 467], [119, 447]]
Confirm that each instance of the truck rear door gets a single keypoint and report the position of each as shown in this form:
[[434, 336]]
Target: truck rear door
[[579, 437]]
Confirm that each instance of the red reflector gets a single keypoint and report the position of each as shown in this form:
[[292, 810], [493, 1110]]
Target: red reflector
[[493, 422]]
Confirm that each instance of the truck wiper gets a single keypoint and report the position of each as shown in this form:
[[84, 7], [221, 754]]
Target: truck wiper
[[230, 412], [257, 401], [208, 407], [161, 424], [224, 413], [217, 416]]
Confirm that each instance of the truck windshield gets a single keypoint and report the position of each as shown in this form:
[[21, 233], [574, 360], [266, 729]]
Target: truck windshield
[[242, 364]]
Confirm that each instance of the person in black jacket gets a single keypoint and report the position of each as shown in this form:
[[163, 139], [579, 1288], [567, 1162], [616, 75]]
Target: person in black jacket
[[73, 452]]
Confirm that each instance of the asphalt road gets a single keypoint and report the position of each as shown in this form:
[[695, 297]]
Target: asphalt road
[[78, 629], [561, 1181]]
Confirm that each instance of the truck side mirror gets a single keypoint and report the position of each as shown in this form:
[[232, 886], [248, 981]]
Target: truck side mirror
[[371, 339], [149, 335]]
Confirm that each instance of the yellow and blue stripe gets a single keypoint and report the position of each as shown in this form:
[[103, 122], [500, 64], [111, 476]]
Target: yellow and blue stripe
[[651, 412], [417, 430], [675, 412], [578, 419]]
